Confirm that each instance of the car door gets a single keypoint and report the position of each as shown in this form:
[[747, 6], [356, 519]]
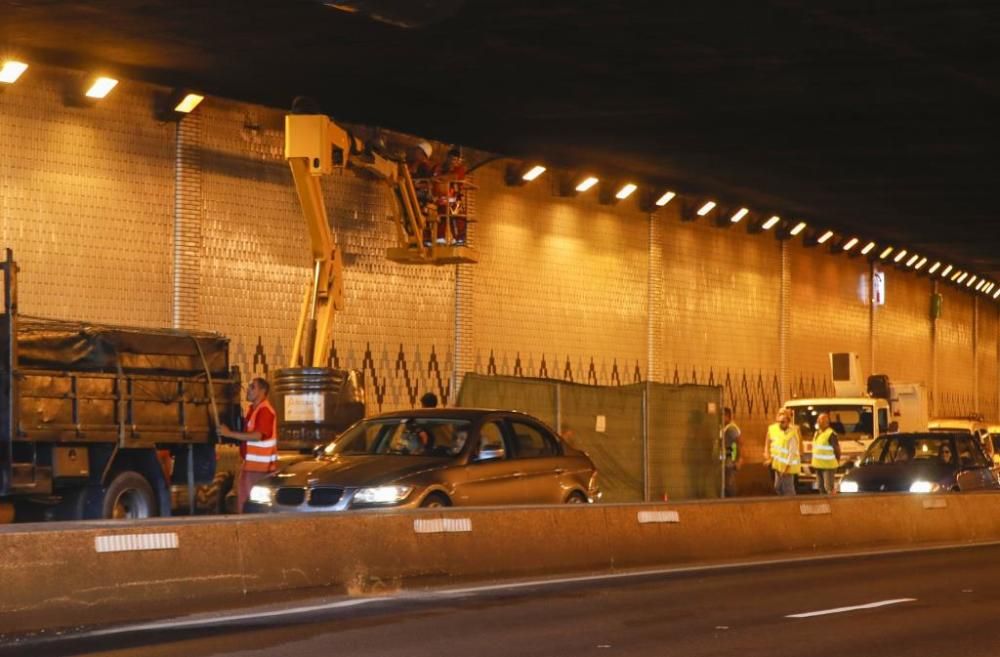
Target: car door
[[539, 462], [489, 477]]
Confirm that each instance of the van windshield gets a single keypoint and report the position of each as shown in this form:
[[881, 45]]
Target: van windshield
[[851, 422]]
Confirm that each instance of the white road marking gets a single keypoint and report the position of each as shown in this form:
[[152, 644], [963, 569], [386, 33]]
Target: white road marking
[[840, 610]]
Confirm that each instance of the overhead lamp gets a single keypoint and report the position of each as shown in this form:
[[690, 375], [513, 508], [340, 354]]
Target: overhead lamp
[[886, 252], [625, 191], [533, 172], [851, 243], [824, 237], [989, 288], [981, 285], [997, 293], [771, 223], [587, 183], [947, 270], [799, 227], [961, 279], [920, 265], [101, 87], [899, 256], [705, 209], [11, 71], [971, 281], [188, 103], [518, 174], [666, 198], [868, 248], [738, 215], [177, 104], [934, 267], [954, 277], [913, 259]]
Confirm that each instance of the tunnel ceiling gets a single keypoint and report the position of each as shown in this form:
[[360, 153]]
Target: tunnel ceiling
[[870, 117]]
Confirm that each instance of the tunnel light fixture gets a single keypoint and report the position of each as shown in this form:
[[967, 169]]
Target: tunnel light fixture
[[886, 252], [934, 267], [997, 293], [625, 191], [961, 279], [971, 281], [989, 288], [868, 248], [851, 243], [824, 237], [912, 260], [920, 265], [188, 103], [899, 256], [11, 71], [980, 285], [705, 209], [954, 277], [799, 227], [587, 183], [533, 173], [101, 87], [947, 270], [771, 223], [666, 198], [738, 215]]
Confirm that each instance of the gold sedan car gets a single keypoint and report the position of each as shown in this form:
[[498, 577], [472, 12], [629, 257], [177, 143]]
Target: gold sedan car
[[434, 458]]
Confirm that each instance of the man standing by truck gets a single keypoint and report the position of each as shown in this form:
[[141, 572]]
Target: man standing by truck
[[258, 444], [782, 449], [825, 454]]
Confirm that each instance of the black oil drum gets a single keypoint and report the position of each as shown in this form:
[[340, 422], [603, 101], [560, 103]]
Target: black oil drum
[[314, 405]]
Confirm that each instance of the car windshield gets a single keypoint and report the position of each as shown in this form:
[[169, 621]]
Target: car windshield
[[403, 436], [849, 422], [902, 448]]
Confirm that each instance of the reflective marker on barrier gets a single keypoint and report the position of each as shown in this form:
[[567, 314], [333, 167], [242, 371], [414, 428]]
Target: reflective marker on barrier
[[936, 503], [814, 508], [136, 542], [658, 516], [442, 525]]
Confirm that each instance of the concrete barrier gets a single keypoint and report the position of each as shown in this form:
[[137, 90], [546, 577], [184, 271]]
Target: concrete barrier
[[65, 575]]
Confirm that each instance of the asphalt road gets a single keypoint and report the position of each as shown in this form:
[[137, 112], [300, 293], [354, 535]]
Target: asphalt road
[[938, 603]]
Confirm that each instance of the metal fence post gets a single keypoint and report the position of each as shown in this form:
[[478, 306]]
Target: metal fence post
[[645, 442]]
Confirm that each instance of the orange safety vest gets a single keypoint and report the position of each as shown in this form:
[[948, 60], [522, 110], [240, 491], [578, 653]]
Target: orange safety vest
[[261, 455]]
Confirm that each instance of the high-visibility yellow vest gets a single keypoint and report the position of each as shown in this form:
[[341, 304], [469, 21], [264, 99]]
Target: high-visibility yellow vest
[[823, 456], [783, 458], [733, 452]]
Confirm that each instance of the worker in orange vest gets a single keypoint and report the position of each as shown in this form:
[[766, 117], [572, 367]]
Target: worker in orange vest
[[258, 444]]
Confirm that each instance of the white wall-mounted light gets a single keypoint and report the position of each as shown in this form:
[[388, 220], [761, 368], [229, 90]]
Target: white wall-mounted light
[[587, 183], [101, 87], [771, 223], [899, 256], [738, 215], [666, 198], [799, 227], [920, 265], [533, 172], [851, 243], [824, 237], [947, 270], [705, 209], [934, 267], [11, 71]]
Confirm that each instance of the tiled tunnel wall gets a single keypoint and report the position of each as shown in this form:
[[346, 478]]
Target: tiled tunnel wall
[[565, 288]]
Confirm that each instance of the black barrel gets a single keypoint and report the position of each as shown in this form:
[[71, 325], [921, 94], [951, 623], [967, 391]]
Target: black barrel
[[314, 404]]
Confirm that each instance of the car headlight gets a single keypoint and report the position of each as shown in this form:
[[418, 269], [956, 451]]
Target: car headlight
[[262, 494], [382, 494], [848, 486], [923, 487]]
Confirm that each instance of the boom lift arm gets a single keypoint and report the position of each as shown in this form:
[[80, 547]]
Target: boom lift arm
[[316, 146]]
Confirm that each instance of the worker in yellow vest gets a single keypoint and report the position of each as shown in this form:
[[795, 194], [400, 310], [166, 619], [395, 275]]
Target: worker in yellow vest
[[781, 449], [732, 445], [825, 454]]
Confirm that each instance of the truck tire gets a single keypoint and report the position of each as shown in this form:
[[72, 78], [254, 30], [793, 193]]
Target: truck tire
[[130, 496]]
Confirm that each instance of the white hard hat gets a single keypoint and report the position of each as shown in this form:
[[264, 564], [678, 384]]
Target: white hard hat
[[426, 147]]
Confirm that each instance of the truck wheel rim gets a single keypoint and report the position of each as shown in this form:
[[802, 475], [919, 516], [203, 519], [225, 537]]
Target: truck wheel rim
[[130, 504]]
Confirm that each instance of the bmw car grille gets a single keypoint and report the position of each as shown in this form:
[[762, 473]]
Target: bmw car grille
[[290, 496], [325, 496]]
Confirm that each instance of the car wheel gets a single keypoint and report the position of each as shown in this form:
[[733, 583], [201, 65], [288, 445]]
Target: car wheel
[[435, 501], [576, 498]]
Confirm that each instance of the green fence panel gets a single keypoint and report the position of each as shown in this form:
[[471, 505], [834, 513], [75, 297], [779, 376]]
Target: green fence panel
[[684, 422], [532, 396]]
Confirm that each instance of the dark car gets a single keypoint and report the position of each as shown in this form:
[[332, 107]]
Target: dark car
[[922, 463], [427, 458]]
